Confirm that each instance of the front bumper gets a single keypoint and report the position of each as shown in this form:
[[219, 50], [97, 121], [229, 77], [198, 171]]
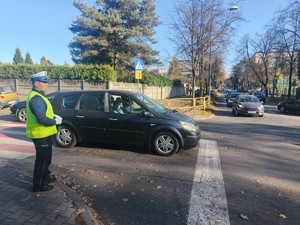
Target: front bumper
[[257, 112]]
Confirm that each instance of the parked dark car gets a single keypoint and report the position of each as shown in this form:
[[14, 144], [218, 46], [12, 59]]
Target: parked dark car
[[247, 105], [19, 109], [8, 96], [289, 105], [231, 98], [121, 117], [260, 95]]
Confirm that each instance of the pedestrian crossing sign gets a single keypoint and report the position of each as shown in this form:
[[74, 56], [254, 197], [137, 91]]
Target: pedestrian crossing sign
[[139, 64]]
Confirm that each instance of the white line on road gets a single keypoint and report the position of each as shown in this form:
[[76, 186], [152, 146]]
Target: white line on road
[[14, 155], [208, 205]]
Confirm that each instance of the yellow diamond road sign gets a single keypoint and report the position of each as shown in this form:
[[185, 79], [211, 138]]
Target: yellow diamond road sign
[[138, 74]]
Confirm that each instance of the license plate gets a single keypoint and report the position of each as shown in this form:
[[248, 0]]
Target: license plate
[[251, 111]]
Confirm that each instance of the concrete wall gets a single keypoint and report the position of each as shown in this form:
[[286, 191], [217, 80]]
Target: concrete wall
[[23, 87]]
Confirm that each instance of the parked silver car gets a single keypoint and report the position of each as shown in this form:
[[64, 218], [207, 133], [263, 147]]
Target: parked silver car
[[247, 105]]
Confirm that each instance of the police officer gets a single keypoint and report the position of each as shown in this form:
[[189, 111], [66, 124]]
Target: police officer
[[40, 127]]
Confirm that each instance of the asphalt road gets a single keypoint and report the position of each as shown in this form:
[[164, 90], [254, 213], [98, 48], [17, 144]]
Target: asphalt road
[[259, 158]]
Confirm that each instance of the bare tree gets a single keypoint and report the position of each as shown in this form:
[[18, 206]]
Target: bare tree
[[200, 28], [259, 55], [287, 25]]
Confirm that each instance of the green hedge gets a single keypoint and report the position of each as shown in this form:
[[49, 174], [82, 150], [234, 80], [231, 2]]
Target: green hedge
[[77, 72], [81, 72], [150, 79]]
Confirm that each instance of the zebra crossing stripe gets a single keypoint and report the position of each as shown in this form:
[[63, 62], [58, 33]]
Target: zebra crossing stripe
[[208, 205]]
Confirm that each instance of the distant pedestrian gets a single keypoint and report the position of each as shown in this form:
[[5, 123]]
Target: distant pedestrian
[[190, 90], [40, 127]]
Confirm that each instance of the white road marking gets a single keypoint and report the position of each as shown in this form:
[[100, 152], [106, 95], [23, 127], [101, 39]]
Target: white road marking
[[208, 205], [15, 155], [15, 147]]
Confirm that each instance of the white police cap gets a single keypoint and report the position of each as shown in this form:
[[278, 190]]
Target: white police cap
[[41, 76]]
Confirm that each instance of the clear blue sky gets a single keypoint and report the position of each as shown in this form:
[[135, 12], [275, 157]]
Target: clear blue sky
[[40, 27]]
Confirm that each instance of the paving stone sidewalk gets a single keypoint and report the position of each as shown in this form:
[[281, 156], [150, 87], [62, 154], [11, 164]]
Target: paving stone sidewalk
[[20, 206]]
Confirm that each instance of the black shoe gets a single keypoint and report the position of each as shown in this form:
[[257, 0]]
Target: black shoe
[[46, 187], [52, 179]]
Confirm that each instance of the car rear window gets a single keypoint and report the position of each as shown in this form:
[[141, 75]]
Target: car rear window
[[7, 89]]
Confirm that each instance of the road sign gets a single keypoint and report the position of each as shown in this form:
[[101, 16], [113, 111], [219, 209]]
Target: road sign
[[274, 81], [138, 74], [139, 64]]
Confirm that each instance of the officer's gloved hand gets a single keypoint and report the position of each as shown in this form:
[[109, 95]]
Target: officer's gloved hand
[[58, 119]]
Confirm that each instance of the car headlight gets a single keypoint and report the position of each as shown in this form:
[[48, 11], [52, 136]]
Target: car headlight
[[241, 106], [188, 126]]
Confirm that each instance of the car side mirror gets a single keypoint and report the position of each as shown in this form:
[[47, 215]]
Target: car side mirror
[[147, 114]]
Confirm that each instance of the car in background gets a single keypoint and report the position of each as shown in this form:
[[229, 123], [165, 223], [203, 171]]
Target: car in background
[[8, 96], [212, 93], [18, 109], [247, 105], [231, 98], [229, 91], [90, 116], [289, 105], [197, 93], [260, 95]]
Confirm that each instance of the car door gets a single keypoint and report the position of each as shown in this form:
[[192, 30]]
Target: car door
[[290, 105], [90, 118], [129, 127], [296, 106]]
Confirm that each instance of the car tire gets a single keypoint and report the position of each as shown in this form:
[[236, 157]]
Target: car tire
[[65, 137], [21, 115], [235, 112], [282, 109], [165, 144]]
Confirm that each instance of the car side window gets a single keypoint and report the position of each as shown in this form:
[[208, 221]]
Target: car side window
[[123, 104], [93, 102], [69, 101]]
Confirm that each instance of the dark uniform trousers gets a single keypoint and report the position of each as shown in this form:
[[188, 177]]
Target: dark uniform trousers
[[41, 173]]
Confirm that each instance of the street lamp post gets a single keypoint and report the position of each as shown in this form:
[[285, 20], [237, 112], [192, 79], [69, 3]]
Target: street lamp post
[[232, 8]]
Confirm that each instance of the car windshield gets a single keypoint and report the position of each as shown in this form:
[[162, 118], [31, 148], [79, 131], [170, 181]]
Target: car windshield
[[155, 106], [234, 95], [249, 99]]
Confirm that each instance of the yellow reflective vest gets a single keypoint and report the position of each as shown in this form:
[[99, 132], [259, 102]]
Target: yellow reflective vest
[[34, 129]]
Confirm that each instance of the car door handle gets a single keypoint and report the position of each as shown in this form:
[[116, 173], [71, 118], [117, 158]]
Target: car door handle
[[80, 116], [113, 119]]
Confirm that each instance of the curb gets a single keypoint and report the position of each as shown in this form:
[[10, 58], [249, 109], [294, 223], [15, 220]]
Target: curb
[[83, 211]]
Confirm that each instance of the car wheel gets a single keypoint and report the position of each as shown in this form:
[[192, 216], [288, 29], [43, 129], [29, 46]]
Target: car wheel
[[65, 137], [235, 112], [282, 109], [165, 144], [21, 115]]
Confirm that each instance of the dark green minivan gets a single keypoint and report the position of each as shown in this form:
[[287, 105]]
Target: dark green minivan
[[122, 117]]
